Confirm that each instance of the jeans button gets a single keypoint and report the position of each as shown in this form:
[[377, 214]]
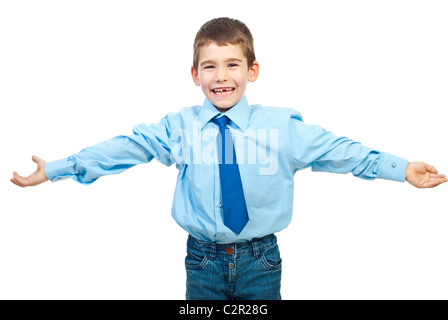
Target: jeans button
[[231, 266], [229, 250]]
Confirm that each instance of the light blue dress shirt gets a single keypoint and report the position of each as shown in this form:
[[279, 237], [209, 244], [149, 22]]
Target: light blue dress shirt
[[271, 144]]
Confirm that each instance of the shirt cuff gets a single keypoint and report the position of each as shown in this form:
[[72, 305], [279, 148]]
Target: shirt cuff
[[392, 168], [57, 170]]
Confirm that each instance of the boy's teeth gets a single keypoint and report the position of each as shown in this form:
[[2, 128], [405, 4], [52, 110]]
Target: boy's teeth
[[223, 90]]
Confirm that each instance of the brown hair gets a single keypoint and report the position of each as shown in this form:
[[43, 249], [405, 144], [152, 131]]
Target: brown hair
[[224, 31]]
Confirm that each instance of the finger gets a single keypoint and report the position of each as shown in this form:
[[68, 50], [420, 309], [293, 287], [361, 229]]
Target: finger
[[21, 181], [431, 169], [14, 181], [435, 181], [40, 162], [440, 180], [36, 159]]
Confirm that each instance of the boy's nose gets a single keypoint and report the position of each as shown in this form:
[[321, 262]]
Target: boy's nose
[[221, 75]]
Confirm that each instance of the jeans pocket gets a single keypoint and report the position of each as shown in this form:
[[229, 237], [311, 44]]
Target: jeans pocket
[[195, 259], [270, 259]]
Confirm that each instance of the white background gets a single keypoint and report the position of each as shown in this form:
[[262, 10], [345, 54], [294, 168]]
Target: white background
[[74, 73]]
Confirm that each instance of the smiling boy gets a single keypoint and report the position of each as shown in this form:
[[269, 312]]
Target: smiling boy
[[231, 207], [223, 73]]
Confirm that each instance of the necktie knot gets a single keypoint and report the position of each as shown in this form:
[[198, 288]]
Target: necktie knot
[[221, 122]]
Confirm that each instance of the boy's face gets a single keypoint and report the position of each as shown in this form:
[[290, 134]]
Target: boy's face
[[223, 74]]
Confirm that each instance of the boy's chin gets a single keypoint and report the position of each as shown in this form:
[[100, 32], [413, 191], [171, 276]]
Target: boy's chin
[[223, 106]]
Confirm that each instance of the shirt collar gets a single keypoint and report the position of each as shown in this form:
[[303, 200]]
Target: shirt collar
[[239, 113]]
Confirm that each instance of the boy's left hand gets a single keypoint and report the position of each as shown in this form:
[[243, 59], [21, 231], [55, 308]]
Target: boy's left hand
[[422, 175]]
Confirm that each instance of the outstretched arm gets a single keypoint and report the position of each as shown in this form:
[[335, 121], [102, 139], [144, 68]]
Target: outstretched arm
[[109, 157], [37, 177], [423, 175]]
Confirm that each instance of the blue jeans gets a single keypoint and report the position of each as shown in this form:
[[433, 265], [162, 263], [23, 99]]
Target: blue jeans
[[248, 270]]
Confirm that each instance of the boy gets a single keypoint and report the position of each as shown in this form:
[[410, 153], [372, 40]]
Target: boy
[[236, 168]]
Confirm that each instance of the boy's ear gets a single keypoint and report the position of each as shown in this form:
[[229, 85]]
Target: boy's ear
[[254, 71], [195, 76]]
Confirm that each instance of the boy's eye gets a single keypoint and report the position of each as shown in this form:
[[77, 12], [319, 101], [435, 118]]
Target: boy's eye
[[233, 65], [208, 67]]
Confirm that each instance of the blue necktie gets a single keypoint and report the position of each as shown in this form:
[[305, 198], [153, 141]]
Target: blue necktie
[[233, 202]]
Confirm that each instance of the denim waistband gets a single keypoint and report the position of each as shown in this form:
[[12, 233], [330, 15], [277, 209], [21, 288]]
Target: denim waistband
[[213, 249]]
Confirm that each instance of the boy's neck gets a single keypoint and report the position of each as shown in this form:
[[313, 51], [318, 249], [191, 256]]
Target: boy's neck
[[223, 110]]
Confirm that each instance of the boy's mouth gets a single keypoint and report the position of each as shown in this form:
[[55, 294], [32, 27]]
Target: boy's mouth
[[223, 91]]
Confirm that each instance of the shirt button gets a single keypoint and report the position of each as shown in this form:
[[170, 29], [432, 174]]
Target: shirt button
[[223, 236], [229, 250], [220, 205], [394, 165], [231, 266]]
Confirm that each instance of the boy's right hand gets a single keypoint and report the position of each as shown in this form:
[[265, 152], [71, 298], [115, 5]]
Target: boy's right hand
[[37, 177]]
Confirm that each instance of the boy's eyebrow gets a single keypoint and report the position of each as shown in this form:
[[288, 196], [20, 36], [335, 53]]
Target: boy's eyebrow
[[227, 61]]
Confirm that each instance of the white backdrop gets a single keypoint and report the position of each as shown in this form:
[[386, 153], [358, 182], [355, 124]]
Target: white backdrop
[[74, 73]]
